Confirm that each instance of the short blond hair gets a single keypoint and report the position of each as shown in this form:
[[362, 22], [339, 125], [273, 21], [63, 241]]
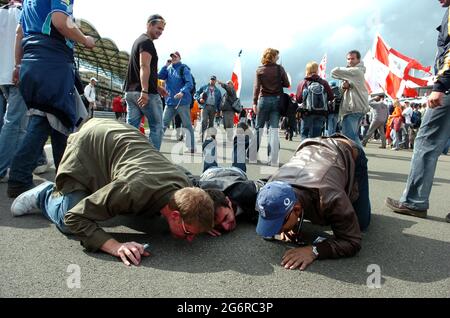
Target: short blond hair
[[269, 56], [312, 68], [195, 206]]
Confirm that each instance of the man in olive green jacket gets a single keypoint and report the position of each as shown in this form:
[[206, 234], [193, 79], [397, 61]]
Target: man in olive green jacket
[[110, 169]]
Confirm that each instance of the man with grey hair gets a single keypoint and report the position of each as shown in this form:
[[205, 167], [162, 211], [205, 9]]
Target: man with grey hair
[[380, 115], [141, 83], [227, 107]]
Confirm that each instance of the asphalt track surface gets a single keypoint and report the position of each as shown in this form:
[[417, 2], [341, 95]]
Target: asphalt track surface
[[411, 254]]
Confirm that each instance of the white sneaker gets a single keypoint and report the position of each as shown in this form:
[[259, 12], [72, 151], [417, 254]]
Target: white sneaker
[[5, 178], [26, 203], [42, 168]]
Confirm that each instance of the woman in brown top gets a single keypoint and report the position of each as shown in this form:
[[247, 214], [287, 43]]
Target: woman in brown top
[[269, 83]]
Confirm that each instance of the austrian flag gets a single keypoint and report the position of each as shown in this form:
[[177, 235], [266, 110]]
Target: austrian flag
[[236, 76], [395, 68]]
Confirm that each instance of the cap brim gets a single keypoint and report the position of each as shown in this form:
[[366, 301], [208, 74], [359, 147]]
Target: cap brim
[[267, 228]]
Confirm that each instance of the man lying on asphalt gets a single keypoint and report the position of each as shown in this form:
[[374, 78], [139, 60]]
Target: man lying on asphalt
[[110, 169]]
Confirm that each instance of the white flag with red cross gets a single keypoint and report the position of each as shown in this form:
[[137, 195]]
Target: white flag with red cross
[[323, 67], [393, 68], [236, 77]]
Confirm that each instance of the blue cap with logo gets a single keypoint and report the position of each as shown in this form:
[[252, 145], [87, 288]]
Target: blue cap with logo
[[275, 200]]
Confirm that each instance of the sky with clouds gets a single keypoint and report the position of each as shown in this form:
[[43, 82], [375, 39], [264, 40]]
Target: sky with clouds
[[209, 33]]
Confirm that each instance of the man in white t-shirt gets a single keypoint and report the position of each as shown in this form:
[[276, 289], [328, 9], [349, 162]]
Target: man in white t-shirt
[[89, 93], [407, 113]]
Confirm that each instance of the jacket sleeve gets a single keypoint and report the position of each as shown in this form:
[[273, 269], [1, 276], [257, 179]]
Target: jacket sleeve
[[102, 205], [349, 74], [256, 89], [199, 92], [300, 90], [284, 78], [345, 226], [188, 83], [163, 73]]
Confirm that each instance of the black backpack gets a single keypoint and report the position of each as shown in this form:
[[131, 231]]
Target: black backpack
[[416, 119], [315, 97], [193, 90]]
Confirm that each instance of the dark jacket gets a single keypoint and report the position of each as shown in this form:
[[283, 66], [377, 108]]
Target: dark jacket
[[228, 98], [236, 186], [442, 65], [322, 172], [270, 80]]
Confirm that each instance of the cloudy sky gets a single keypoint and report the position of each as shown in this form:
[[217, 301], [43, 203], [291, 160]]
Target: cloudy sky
[[209, 33]]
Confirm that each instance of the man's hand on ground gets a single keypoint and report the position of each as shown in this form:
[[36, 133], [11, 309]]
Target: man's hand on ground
[[300, 257], [130, 251]]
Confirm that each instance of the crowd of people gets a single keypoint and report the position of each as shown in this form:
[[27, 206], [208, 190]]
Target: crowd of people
[[106, 168]]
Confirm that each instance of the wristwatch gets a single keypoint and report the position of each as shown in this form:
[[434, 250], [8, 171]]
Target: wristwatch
[[315, 252]]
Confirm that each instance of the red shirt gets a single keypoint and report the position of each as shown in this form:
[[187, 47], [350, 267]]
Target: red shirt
[[117, 105]]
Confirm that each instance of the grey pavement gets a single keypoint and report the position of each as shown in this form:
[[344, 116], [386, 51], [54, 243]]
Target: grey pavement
[[412, 254]]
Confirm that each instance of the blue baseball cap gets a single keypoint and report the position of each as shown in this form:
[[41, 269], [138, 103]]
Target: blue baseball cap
[[275, 200]]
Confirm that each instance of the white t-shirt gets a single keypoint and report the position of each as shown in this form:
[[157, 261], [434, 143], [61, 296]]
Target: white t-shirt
[[89, 93], [407, 113], [9, 19]]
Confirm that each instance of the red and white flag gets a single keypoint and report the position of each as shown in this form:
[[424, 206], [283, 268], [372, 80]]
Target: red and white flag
[[236, 77], [393, 69], [323, 67]]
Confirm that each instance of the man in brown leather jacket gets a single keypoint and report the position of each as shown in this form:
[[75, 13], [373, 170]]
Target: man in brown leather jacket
[[325, 182]]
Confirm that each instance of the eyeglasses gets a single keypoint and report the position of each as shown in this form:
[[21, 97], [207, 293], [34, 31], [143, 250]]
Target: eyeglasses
[[186, 232], [295, 235]]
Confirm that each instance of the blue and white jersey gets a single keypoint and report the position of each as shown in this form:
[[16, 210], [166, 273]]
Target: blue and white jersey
[[37, 17]]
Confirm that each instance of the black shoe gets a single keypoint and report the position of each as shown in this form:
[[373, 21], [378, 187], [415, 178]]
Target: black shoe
[[398, 207], [14, 192], [447, 218]]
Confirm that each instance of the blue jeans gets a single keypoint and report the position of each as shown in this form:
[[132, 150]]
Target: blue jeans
[[312, 126], [332, 122], [430, 142], [350, 127], [29, 152], [185, 114], [14, 128], [153, 111], [445, 151], [54, 205], [2, 108], [268, 112], [362, 204]]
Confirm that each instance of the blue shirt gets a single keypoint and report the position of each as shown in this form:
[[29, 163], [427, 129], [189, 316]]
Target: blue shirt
[[37, 17]]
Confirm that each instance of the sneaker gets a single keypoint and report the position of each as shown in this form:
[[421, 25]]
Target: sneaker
[[398, 207], [42, 168], [26, 203], [447, 218], [5, 178]]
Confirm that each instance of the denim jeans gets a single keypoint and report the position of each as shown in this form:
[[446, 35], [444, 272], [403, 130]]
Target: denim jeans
[[14, 127], [268, 112], [184, 111], [431, 140], [447, 147], [153, 111], [207, 114], [29, 152], [332, 124], [312, 126], [362, 204], [350, 127], [2, 108], [54, 205]]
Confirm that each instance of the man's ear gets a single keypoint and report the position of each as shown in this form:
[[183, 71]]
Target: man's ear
[[175, 215]]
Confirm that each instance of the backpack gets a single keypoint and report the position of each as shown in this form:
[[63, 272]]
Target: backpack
[[315, 97], [416, 119], [193, 90]]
